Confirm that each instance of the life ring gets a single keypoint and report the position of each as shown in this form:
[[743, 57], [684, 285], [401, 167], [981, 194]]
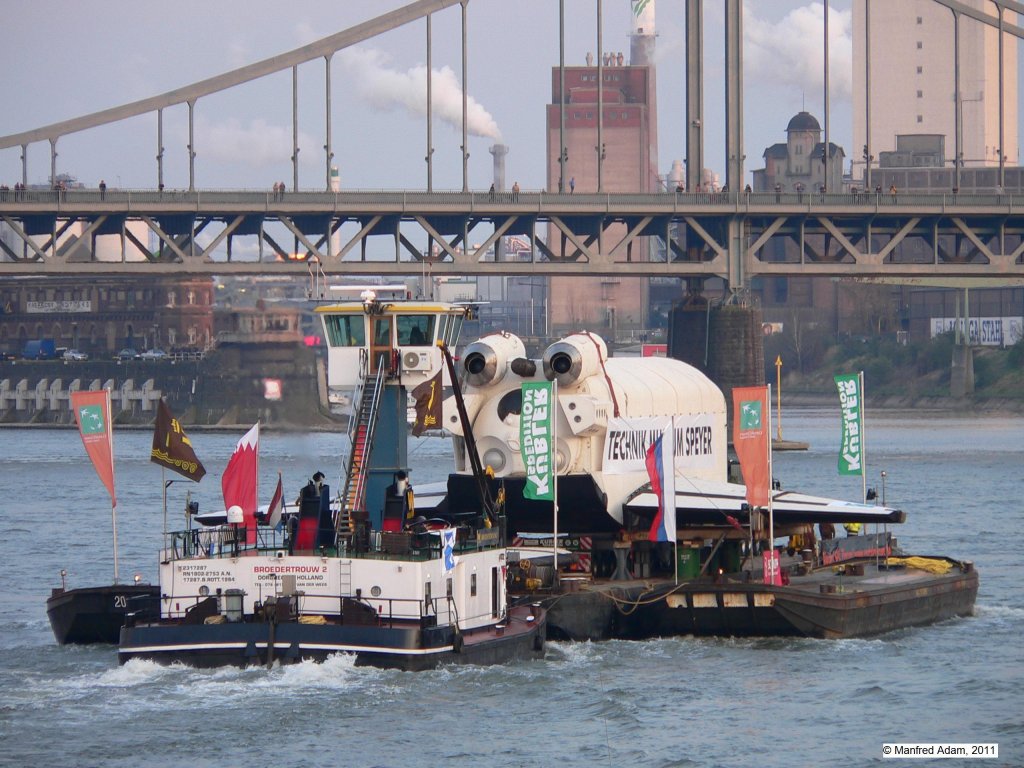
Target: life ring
[[525, 565]]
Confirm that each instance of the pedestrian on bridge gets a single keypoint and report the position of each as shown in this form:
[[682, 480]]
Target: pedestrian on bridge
[[515, 191], [892, 191], [103, 190], [572, 185]]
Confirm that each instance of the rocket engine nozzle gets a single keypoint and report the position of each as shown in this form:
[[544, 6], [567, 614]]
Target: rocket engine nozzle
[[574, 358], [486, 361]]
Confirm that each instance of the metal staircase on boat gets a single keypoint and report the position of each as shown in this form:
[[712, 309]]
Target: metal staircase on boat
[[361, 434]]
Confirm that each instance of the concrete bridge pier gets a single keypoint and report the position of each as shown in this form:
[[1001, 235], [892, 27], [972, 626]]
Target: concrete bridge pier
[[961, 377], [726, 342]]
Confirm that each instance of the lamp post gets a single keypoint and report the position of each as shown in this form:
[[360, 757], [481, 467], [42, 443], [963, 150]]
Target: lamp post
[[778, 390]]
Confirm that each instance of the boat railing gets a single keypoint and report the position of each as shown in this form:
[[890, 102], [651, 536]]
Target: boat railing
[[226, 540], [353, 608], [229, 540]]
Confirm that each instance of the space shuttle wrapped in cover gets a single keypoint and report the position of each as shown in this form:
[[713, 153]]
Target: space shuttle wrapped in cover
[[609, 410]]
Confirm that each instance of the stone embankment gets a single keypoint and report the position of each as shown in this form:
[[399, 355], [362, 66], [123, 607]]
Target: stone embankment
[[280, 385]]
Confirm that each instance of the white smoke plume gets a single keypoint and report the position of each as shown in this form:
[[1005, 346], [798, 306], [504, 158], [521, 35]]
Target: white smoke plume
[[258, 144], [385, 88], [791, 50]]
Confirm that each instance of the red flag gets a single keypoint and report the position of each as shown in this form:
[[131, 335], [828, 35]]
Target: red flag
[[752, 442], [276, 507], [240, 480], [92, 413]]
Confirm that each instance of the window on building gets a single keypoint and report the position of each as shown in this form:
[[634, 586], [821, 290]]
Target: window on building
[[920, 45], [920, 118], [919, 20], [920, 70], [920, 94]]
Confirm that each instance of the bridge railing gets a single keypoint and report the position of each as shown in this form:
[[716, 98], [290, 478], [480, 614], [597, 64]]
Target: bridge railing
[[130, 199]]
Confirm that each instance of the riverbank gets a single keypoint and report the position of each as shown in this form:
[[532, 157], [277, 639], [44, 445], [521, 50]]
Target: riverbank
[[911, 377]]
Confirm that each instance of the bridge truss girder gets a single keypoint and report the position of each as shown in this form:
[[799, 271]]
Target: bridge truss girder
[[694, 235]]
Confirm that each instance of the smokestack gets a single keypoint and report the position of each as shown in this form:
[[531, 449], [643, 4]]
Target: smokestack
[[499, 151], [642, 36]]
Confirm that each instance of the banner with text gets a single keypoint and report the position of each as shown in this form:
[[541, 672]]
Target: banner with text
[[627, 441], [983, 331], [752, 442], [850, 456], [536, 440]]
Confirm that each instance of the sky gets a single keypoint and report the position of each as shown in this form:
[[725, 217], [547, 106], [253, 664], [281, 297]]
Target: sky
[[66, 58]]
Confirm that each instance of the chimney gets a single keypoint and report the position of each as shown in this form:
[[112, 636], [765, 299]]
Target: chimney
[[499, 151]]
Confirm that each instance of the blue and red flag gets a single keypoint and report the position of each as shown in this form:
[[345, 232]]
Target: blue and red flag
[[661, 460]]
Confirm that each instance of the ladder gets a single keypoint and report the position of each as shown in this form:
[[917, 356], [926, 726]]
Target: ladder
[[361, 435]]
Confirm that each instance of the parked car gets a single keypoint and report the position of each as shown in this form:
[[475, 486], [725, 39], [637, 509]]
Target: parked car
[[127, 354], [75, 355], [153, 354]]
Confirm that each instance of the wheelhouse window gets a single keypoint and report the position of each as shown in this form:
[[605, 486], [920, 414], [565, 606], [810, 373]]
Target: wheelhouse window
[[416, 330], [452, 331], [346, 330]]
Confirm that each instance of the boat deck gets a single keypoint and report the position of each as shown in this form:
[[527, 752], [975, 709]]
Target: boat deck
[[860, 598]]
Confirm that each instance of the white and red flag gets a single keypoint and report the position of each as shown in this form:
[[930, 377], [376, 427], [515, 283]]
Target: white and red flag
[[276, 508], [239, 481]]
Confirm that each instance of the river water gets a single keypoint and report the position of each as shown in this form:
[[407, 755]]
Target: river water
[[668, 702]]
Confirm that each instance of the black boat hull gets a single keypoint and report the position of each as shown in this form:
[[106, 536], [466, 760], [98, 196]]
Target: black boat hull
[[407, 647], [95, 614]]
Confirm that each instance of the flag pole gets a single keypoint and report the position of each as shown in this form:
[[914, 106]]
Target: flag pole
[[113, 502], [163, 482], [863, 442], [554, 474], [771, 507], [675, 527]]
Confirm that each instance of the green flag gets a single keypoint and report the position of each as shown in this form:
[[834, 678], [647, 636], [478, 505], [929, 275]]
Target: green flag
[[851, 457], [536, 440]]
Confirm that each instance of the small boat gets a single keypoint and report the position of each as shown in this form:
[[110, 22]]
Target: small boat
[[87, 615], [95, 614], [358, 573]]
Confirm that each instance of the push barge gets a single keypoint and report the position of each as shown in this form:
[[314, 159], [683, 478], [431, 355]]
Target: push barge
[[614, 583]]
